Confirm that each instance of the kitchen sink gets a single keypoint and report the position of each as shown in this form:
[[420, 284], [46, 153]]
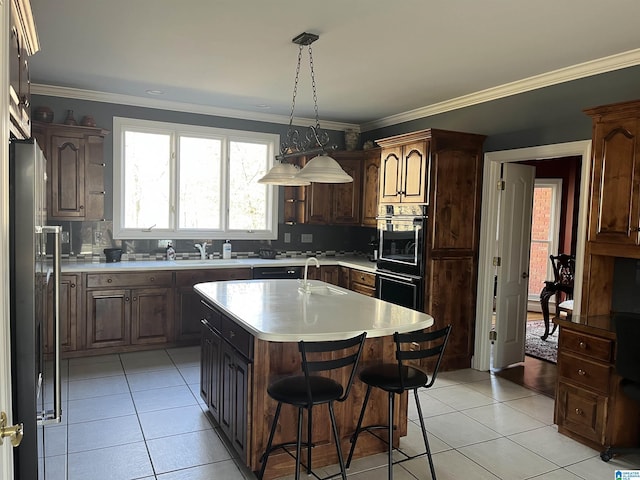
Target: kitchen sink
[[321, 290]]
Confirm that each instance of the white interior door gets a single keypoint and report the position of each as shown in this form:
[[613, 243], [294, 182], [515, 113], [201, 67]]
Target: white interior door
[[514, 239]]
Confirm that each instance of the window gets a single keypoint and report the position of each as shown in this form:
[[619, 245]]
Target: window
[[180, 181], [544, 233]]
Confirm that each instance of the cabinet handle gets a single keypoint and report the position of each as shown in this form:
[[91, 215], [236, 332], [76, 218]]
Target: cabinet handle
[[109, 280], [81, 207], [578, 411], [152, 279], [232, 334], [582, 345], [126, 299], [581, 372], [73, 285], [135, 299], [290, 222]]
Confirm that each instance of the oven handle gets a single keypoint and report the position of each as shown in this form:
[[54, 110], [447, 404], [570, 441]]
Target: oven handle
[[403, 278]]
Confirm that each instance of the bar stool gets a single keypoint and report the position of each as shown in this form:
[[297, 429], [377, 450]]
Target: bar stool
[[396, 378], [311, 389]]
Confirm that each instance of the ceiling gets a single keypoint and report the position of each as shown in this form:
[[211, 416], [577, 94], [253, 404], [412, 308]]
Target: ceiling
[[375, 60]]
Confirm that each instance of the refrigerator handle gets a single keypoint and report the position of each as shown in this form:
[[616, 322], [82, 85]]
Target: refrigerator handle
[[57, 255]]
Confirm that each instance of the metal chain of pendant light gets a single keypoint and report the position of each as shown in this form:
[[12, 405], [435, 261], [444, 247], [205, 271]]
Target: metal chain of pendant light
[[315, 140]]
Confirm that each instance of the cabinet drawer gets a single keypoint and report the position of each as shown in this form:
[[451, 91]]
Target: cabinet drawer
[[212, 316], [584, 344], [191, 277], [364, 278], [237, 336], [592, 375], [363, 289], [582, 412], [101, 280]]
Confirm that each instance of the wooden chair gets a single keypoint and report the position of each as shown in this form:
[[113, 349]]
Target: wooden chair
[[564, 268]]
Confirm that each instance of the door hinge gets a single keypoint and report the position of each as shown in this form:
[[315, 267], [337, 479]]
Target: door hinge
[[493, 335], [497, 261], [500, 185]]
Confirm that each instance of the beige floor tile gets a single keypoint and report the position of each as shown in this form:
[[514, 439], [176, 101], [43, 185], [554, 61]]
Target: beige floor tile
[[154, 379], [224, 470], [503, 419], [460, 397], [553, 446], [174, 421], [450, 465], [457, 429], [163, 398], [124, 462], [108, 406], [108, 432], [97, 387]]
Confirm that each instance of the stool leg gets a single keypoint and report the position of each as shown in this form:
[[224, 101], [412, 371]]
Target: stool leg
[[337, 440], [265, 455], [354, 438], [391, 401], [309, 417], [424, 434], [299, 443]]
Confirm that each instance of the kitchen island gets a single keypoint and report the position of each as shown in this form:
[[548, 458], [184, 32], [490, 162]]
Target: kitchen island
[[250, 334]]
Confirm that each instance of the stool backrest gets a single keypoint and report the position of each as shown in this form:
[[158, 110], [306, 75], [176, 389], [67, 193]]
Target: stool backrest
[[441, 337], [343, 353]]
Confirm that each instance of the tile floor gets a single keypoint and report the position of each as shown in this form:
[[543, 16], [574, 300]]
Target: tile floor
[[139, 416]]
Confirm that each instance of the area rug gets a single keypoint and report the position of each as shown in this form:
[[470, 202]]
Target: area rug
[[536, 347]]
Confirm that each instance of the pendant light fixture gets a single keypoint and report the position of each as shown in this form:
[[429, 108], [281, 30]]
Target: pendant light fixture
[[314, 140]]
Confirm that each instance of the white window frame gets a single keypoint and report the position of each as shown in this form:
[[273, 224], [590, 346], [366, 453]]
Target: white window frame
[[121, 125], [552, 243]]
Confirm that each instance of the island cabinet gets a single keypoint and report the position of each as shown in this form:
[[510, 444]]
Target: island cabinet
[[443, 170], [614, 214], [70, 301], [125, 309], [189, 309], [590, 406], [23, 42], [362, 282], [226, 375], [75, 169]]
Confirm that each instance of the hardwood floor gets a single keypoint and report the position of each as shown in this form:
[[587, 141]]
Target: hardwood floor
[[538, 375], [534, 374]]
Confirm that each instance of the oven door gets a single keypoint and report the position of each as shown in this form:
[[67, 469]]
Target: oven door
[[400, 244], [403, 290]]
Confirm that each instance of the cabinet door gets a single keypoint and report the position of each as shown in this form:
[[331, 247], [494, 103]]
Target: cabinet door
[[241, 376], [370, 188], [69, 299], [344, 277], [345, 208], [210, 370], [319, 203], [414, 173], [67, 177], [582, 412], [330, 274], [108, 315], [151, 315], [614, 213], [227, 381], [189, 312], [390, 170]]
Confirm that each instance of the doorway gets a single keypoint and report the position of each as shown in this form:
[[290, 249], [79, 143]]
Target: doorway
[[489, 225]]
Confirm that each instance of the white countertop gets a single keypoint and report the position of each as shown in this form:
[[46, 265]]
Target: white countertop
[[275, 310], [359, 263]]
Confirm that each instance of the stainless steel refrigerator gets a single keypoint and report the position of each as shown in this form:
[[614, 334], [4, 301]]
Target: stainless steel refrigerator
[[36, 379]]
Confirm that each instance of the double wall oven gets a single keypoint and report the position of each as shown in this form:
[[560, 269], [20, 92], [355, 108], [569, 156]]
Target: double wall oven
[[401, 259]]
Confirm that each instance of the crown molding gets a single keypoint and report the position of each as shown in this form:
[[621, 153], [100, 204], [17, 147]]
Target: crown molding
[[594, 67], [94, 96]]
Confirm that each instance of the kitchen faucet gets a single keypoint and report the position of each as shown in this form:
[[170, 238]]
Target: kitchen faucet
[[203, 250], [305, 284]]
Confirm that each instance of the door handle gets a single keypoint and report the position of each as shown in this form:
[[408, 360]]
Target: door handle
[[525, 275], [15, 432]]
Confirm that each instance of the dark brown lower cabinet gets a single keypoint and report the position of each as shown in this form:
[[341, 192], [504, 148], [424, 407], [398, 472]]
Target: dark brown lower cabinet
[[226, 376]]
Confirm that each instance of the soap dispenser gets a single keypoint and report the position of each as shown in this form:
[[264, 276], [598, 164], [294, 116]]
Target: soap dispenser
[[226, 250], [171, 252]]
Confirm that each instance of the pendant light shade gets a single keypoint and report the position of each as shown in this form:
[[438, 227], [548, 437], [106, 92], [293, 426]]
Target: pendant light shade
[[324, 169], [284, 174]]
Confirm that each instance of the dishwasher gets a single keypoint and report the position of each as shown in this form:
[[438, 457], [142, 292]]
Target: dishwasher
[[275, 272]]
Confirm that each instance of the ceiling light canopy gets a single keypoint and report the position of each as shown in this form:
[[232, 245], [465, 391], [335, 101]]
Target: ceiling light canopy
[[313, 140]]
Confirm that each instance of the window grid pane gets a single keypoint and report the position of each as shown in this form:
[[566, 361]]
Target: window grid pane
[[248, 201]]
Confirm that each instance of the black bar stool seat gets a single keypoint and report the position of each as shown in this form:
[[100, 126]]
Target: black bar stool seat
[[311, 389], [397, 378]]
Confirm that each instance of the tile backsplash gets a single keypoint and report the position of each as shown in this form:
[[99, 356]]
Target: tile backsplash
[[87, 240]]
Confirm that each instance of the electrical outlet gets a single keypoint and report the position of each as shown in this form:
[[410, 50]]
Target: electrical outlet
[[97, 237], [64, 237], [287, 237], [306, 238]]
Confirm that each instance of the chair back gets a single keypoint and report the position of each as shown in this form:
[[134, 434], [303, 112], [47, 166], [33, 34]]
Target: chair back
[[417, 339], [564, 270], [342, 353], [627, 352]]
